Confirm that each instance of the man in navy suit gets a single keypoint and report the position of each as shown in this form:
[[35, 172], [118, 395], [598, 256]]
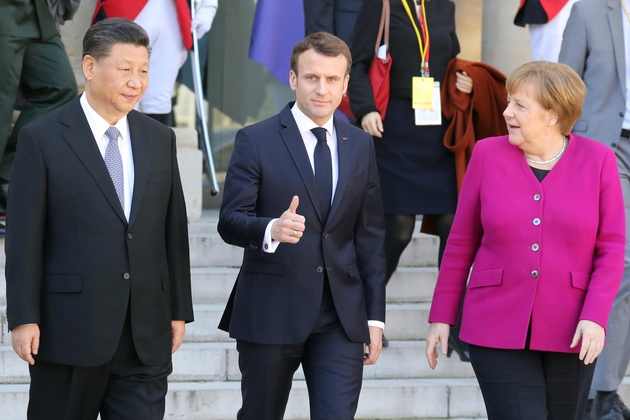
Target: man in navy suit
[[302, 197]]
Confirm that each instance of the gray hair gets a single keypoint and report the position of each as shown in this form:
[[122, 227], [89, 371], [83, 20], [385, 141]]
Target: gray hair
[[102, 36]]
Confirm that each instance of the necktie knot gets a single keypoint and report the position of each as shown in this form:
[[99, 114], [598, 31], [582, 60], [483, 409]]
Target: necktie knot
[[112, 133], [320, 134]]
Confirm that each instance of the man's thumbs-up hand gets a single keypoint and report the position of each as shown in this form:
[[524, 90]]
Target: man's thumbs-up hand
[[289, 228]]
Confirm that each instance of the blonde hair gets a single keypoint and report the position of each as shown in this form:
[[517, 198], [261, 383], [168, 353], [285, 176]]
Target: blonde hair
[[556, 87]]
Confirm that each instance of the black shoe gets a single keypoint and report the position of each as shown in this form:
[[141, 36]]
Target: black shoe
[[608, 406], [385, 341], [458, 347]]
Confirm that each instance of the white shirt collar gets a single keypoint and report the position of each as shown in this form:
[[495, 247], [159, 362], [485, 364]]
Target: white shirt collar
[[305, 124], [98, 125]]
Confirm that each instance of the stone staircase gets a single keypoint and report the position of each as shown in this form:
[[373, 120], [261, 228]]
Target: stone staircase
[[205, 381]]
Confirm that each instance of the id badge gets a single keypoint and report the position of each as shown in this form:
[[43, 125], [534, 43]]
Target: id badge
[[422, 92], [433, 114]]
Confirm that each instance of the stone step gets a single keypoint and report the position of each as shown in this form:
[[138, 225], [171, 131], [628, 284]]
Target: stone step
[[207, 249], [219, 362], [212, 285], [381, 399], [405, 321]]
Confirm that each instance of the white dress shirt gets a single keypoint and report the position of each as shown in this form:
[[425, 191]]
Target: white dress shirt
[[99, 126]]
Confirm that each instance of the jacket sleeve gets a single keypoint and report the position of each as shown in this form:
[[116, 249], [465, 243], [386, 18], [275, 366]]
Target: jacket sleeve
[[609, 253], [462, 245], [238, 222], [369, 237], [574, 47], [26, 222], [177, 247]]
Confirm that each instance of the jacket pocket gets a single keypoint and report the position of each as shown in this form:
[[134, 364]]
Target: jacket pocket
[[354, 181], [163, 176], [266, 267], [63, 283], [166, 282], [485, 278], [580, 280], [581, 125]]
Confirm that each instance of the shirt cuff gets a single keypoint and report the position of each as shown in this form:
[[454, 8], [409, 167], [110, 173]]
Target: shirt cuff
[[378, 324], [269, 245]]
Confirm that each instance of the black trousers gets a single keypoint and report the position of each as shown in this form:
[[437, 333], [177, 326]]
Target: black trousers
[[333, 369], [531, 385], [123, 389]]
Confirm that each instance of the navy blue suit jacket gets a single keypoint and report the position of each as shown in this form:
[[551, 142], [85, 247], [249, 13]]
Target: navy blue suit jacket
[[277, 296]]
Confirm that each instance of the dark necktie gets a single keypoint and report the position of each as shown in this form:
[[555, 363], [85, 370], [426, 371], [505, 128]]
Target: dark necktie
[[113, 162], [323, 171]]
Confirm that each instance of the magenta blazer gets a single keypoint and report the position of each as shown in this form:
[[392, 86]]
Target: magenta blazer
[[551, 252]]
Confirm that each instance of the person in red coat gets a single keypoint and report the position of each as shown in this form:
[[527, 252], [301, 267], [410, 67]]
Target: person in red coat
[[170, 26], [541, 221]]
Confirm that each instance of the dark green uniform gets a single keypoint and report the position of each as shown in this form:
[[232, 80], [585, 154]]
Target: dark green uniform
[[33, 56]]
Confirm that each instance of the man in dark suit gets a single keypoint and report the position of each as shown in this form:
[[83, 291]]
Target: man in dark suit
[[98, 272], [336, 17], [302, 197], [34, 58]]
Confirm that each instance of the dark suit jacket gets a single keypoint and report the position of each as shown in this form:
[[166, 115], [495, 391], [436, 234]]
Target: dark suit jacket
[[337, 17], [74, 264], [27, 19], [277, 296]]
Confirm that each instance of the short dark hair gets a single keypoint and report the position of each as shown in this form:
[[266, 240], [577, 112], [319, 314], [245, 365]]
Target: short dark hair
[[101, 38], [323, 43]]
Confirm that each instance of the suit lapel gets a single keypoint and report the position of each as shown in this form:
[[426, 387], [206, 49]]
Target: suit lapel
[[80, 138], [293, 140], [616, 29], [343, 153], [141, 148]]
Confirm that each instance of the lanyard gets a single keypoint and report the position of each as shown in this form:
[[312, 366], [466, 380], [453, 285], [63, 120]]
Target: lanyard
[[424, 46], [623, 3]]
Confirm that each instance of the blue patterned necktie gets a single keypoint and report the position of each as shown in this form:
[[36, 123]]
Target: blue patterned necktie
[[323, 171], [113, 161]]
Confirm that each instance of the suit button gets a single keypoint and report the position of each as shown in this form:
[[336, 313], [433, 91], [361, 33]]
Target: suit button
[[325, 235], [320, 269], [621, 114], [536, 197], [535, 274], [613, 145], [535, 247], [536, 221], [126, 276], [129, 236]]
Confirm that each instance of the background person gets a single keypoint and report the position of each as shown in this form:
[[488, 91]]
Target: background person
[[169, 24], [34, 58], [595, 45], [302, 198], [541, 221], [416, 171], [97, 268]]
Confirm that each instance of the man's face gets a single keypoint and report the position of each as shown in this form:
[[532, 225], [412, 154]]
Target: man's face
[[319, 85], [116, 83]]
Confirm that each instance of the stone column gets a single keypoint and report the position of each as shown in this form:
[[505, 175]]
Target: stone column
[[504, 45]]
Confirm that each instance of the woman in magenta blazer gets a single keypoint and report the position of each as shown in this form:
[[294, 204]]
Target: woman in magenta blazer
[[541, 221]]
